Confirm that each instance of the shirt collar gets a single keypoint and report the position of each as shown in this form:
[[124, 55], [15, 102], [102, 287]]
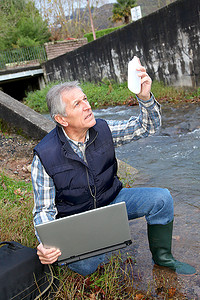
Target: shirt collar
[[75, 142]]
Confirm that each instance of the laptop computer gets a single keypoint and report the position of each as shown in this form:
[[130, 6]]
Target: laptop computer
[[87, 234]]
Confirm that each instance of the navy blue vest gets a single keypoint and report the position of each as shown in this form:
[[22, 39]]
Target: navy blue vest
[[81, 186]]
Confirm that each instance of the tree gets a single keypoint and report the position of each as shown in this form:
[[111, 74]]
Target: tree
[[68, 18], [91, 20], [122, 10], [21, 25], [31, 28]]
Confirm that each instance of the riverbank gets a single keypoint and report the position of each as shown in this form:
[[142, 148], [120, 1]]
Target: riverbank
[[148, 282], [108, 93]]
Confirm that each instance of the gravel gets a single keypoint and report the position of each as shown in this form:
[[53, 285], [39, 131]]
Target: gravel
[[16, 153]]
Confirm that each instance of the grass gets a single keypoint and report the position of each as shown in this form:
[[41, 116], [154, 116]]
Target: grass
[[110, 93], [16, 204], [114, 280], [169, 94]]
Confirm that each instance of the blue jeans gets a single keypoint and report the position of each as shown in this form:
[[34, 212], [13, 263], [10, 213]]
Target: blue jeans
[[155, 204]]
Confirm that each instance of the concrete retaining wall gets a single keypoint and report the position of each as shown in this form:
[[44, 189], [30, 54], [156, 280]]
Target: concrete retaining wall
[[167, 42], [16, 114]]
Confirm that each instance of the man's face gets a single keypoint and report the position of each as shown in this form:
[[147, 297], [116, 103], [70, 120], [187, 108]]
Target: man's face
[[79, 113]]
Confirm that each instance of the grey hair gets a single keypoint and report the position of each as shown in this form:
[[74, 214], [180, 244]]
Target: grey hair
[[54, 98]]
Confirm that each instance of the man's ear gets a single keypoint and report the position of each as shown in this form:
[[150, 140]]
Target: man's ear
[[61, 120]]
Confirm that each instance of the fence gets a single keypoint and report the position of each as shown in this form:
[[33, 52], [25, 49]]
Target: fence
[[22, 56]]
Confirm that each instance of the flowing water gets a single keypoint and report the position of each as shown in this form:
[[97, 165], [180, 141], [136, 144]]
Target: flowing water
[[171, 159]]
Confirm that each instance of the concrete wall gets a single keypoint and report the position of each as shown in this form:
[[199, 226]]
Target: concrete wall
[[22, 117], [167, 42]]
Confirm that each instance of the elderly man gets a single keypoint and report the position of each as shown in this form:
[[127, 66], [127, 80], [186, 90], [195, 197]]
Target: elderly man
[[74, 170]]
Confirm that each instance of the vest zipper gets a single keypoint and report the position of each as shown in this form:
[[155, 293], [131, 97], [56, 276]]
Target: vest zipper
[[95, 190]]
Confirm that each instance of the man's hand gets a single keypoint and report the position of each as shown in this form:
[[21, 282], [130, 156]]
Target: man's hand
[[47, 256], [145, 83]]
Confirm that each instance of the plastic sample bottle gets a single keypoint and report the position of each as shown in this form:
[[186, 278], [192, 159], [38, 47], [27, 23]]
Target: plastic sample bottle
[[134, 81]]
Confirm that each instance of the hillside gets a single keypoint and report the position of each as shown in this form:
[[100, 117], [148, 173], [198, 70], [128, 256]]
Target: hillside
[[147, 7], [102, 15]]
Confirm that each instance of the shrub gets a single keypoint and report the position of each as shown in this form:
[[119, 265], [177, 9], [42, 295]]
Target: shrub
[[99, 94], [37, 99], [100, 33]]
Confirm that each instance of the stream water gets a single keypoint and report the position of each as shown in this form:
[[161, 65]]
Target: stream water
[[171, 159]]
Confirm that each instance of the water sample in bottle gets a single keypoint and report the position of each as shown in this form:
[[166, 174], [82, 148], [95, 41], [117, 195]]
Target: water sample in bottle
[[134, 81]]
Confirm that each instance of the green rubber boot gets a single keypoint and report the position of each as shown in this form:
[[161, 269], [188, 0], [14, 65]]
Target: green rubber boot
[[160, 240]]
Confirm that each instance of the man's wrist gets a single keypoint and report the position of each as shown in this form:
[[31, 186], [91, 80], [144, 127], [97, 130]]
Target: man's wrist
[[147, 100], [144, 98]]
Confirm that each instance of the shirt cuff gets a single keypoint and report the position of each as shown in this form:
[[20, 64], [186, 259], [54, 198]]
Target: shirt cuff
[[149, 102]]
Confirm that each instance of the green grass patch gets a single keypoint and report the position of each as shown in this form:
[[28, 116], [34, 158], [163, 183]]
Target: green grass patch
[[169, 94], [16, 204], [106, 93]]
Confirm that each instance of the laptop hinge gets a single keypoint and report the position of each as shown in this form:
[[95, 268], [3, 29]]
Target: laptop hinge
[[93, 253]]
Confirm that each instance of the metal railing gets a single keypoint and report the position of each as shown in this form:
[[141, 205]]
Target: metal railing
[[22, 56]]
